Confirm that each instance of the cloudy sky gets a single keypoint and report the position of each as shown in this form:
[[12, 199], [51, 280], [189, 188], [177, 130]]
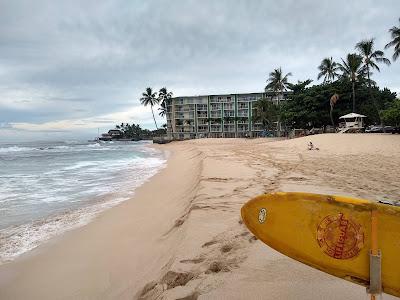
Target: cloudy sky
[[70, 67]]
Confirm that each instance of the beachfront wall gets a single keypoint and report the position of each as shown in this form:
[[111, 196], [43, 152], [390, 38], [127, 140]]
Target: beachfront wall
[[215, 116]]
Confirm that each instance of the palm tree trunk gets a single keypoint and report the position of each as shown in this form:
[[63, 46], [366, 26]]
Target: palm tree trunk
[[279, 114], [371, 97], [354, 96], [331, 114], [154, 117]]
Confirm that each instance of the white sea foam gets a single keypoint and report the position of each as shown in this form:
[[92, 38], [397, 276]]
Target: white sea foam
[[15, 149], [44, 195], [82, 164], [20, 239]]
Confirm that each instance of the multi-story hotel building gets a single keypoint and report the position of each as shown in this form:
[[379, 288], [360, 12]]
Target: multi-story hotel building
[[215, 115]]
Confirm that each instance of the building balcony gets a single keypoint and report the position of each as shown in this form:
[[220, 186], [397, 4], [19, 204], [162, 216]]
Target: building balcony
[[221, 99], [215, 114], [229, 107], [229, 114], [243, 128], [202, 115], [230, 122], [248, 98], [229, 128], [186, 115], [202, 128], [202, 107], [213, 107], [216, 128]]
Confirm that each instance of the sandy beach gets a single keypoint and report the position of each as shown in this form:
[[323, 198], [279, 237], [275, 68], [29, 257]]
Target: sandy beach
[[181, 236]]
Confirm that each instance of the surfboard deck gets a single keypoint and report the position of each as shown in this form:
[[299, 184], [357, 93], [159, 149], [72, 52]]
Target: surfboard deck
[[330, 233]]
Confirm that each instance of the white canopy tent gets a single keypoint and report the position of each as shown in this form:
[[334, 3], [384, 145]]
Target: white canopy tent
[[353, 121], [352, 115]]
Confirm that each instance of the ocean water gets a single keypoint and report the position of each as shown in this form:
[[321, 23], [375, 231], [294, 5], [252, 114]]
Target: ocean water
[[47, 188]]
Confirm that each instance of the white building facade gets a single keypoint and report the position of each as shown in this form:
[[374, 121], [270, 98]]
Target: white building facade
[[215, 116]]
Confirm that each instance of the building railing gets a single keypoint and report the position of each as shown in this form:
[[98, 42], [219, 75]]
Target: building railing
[[243, 128], [229, 114], [229, 122], [216, 99], [216, 128], [229, 128], [216, 114], [229, 107], [215, 107]]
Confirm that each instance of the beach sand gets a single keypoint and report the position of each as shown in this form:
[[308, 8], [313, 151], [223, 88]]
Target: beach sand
[[181, 236]]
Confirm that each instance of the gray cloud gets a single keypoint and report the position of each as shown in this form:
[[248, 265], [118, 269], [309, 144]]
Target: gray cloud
[[82, 59]]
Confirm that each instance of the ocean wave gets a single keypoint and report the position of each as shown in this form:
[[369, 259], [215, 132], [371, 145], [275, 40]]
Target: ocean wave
[[15, 149], [82, 164], [20, 239], [73, 146], [59, 187]]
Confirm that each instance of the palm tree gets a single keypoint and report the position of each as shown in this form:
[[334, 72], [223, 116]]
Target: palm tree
[[352, 69], [164, 95], [278, 84], [371, 56], [150, 98], [370, 59], [164, 98], [265, 112], [328, 70], [163, 110], [395, 42], [332, 101]]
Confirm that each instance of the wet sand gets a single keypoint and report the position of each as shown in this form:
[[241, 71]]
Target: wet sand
[[181, 237]]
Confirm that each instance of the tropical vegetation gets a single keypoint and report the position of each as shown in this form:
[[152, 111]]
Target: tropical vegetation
[[164, 99], [278, 83], [150, 98], [353, 70], [266, 112], [391, 115], [310, 107], [371, 58], [135, 132], [328, 69], [347, 86], [395, 42]]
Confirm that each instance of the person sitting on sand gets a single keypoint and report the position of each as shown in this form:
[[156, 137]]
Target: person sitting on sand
[[311, 146]]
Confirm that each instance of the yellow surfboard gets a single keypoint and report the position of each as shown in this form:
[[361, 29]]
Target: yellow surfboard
[[330, 233]]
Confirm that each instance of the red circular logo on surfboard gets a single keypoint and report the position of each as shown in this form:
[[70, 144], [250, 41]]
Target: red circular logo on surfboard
[[340, 237]]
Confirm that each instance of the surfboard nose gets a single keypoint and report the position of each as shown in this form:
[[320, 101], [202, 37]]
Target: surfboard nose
[[254, 213]]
